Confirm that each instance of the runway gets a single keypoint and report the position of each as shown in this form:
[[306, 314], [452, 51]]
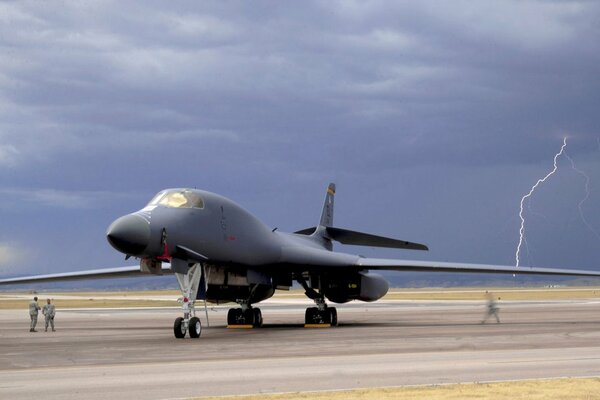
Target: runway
[[113, 354]]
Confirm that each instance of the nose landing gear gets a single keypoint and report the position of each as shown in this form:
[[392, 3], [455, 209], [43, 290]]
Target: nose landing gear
[[188, 283]]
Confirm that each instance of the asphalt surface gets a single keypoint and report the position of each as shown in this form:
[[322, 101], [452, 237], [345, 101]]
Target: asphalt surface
[[131, 353]]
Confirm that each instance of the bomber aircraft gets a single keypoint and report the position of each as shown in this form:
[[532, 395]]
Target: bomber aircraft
[[219, 252]]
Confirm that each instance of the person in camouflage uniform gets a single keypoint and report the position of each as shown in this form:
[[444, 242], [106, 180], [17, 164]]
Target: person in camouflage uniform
[[492, 309], [49, 311], [33, 314]]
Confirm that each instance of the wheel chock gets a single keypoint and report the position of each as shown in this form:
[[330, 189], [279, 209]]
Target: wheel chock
[[240, 326], [317, 325]]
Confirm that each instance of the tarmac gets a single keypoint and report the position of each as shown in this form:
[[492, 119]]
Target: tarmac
[[132, 353]]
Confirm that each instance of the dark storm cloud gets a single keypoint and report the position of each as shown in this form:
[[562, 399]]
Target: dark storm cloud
[[396, 100], [419, 74]]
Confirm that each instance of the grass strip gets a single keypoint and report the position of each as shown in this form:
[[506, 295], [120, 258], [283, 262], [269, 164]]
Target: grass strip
[[550, 389]]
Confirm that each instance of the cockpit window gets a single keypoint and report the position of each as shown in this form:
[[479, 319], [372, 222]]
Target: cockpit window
[[178, 199], [157, 198]]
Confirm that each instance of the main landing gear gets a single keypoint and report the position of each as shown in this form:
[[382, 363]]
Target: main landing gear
[[244, 317], [321, 315], [188, 284]]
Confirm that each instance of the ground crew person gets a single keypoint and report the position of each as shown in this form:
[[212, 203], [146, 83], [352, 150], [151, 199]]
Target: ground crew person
[[33, 314], [49, 311], [492, 308]]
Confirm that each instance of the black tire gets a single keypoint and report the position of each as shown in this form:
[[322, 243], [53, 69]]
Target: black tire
[[258, 319], [309, 315], [231, 316], [195, 327], [333, 316], [235, 316], [315, 316], [248, 317], [178, 328]]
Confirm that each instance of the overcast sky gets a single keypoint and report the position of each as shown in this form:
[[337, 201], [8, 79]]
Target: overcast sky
[[433, 118]]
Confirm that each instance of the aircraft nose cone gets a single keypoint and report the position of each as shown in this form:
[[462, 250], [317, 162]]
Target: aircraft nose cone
[[129, 234]]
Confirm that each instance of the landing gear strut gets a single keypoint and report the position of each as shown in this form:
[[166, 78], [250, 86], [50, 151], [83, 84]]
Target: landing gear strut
[[188, 284]]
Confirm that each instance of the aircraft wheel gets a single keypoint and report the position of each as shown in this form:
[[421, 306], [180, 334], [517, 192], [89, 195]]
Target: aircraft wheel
[[311, 316], [235, 316], [247, 317], [333, 316], [179, 328], [315, 316], [231, 316], [308, 316], [195, 327], [258, 319]]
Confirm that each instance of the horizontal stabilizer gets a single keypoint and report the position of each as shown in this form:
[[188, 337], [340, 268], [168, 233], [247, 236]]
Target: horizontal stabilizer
[[346, 236], [354, 238]]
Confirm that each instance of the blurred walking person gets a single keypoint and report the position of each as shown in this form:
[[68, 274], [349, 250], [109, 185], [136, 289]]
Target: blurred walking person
[[492, 308]]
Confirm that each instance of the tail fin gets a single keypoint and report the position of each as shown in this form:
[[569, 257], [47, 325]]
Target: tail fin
[[325, 232], [327, 213]]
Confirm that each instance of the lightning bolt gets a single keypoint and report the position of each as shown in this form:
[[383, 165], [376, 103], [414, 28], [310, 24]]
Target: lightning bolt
[[587, 195], [528, 195]]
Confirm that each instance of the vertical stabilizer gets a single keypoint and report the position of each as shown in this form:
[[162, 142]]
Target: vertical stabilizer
[[327, 214]]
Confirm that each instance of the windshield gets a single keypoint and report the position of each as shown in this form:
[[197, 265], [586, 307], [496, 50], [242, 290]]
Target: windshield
[[185, 198]]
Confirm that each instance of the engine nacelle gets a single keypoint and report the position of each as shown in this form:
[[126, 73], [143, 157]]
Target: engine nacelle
[[364, 286]]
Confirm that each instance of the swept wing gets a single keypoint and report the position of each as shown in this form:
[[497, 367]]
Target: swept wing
[[105, 273], [433, 266]]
